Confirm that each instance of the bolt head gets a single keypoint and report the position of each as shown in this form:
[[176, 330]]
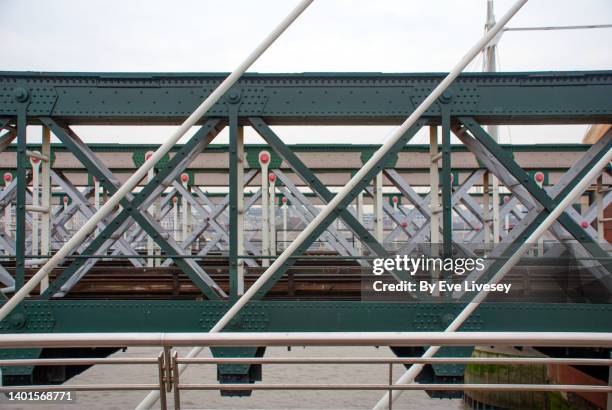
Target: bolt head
[[20, 94], [233, 96], [18, 320], [446, 97], [539, 177], [264, 157], [404, 224], [584, 224]]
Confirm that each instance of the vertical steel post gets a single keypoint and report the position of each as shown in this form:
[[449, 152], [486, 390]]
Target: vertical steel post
[[96, 198], [45, 229], [35, 227], [8, 210], [599, 200], [264, 162], [240, 159], [486, 210], [434, 191], [378, 208], [490, 65], [284, 210], [272, 204], [20, 211], [175, 219], [235, 191], [447, 181], [185, 210]]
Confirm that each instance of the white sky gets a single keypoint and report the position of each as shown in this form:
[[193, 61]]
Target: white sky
[[332, 35]]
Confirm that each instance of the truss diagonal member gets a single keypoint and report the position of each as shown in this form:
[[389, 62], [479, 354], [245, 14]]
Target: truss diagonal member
[[388, 209], [211, 217], [144, 199], [216, 239], [407, 191], [88, 210], [216, 213], [306, 215], [582, 236], [335, 239], [137, 234], [423, 232]]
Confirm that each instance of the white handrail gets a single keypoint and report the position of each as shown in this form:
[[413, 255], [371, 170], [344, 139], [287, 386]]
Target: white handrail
[[573, 339]]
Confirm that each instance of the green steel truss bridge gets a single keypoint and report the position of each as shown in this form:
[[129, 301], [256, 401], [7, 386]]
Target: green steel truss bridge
[[186, 243]]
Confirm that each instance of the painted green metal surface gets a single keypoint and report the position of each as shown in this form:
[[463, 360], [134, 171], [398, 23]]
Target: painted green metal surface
[[61, 316], [310, 97]]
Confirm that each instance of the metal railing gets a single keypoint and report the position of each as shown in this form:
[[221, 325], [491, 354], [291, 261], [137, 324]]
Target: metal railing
[[168, 361]]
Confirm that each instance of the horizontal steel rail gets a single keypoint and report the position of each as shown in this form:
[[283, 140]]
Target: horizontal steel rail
[[574, 339], [416, 386]]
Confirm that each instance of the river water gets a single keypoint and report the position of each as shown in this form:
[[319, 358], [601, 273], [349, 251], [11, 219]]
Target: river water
[[259, 399]]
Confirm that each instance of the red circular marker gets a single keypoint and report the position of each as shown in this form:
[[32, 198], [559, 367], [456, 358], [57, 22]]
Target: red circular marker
[[506, 199], [35, 160], [8, 177], [284, 200], [148, 155], [584, 224], [271, 177], [539, 177], [404, 224], [264, 157], [174, 199], [395, 200], [65, 199], [184, 177], [95, 179]]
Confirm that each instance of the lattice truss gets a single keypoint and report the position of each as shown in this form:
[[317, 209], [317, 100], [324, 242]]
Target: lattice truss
[[402, 213]]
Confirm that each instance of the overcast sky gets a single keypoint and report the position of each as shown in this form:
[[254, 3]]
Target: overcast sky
[[332, 35]]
